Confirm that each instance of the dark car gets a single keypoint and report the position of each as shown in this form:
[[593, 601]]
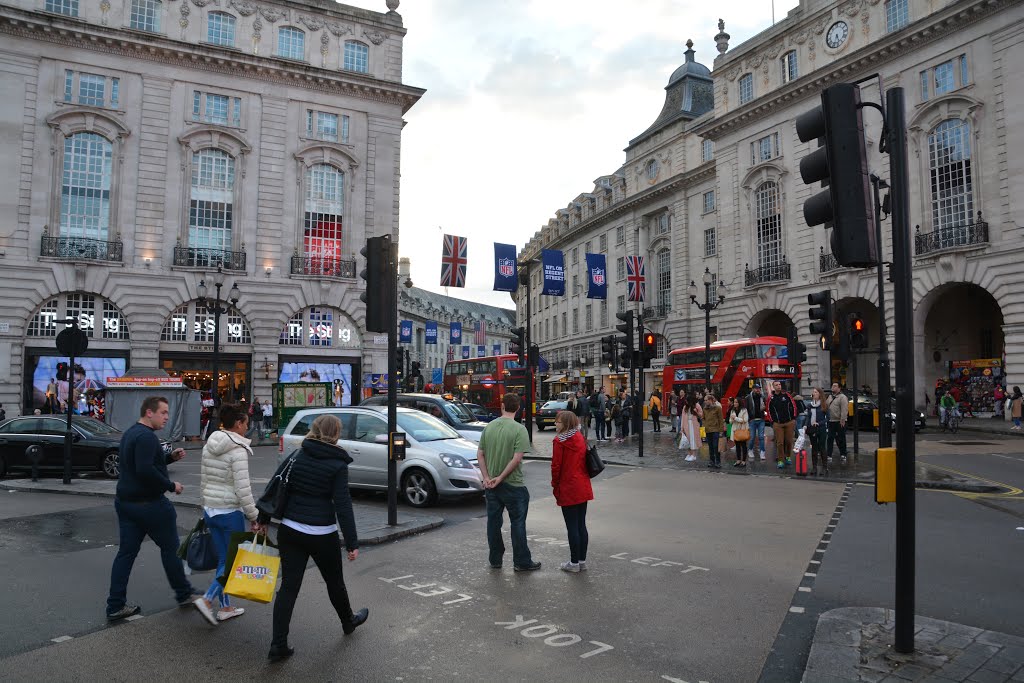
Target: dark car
[[866, 405], [479, 411], [94, 448], [456, 415], [548, 412]]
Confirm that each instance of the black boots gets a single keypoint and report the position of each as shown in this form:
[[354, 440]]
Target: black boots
[[358, 618]]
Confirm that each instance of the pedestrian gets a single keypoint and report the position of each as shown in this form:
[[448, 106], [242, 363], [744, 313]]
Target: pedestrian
[[1016, 408], [673, 409], [801, 412], [571, 485], [227, 502], [690, 415], [838, 408], [582, 412], [255, 414], [782, 410], [714, 425], [947, 406], [998, 400], [625, 412], [654, 406], [739, 419], [318, 504], [268, 417], [756, 408], [503, 444], [617, 420], [598, 405], [817, 421], [142, 510]]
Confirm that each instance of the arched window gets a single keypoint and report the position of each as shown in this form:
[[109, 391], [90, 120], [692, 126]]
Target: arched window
[[322, 220], [85, 187], [291, 43], [97, 317], [664, 281], [768, 214], [145, 15], [220, 29], [356, 57], [318, 326], [210, 216], [194, 322], [949, 160]]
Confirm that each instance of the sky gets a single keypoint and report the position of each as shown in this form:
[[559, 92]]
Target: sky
[[527, 103]]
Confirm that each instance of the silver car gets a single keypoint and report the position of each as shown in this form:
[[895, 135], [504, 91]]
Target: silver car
[[438, 461]]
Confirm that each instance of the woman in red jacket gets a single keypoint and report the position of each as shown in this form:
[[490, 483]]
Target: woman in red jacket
[[571, 484]]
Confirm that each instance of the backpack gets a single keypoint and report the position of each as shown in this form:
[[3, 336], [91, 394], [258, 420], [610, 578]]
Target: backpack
[[594, 403]]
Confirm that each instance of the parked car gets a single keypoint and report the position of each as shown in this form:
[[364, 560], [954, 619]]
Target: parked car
[[866, 405], [453, 413], [438, 462], [94, 448], [548, 412], [481, 413]]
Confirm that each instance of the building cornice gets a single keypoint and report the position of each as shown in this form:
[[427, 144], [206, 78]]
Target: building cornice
[[159, 48]]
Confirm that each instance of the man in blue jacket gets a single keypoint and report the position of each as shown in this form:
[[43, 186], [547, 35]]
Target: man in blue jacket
[[142, 509]]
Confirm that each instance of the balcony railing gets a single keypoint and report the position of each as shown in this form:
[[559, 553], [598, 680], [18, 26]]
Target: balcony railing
[[759, 276], [827, 262], [81, 248], [950, 238], [196, 257], [324, 267], [656, 312]]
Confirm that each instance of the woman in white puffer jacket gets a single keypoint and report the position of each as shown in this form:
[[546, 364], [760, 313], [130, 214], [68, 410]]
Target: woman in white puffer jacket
[[227, 500]]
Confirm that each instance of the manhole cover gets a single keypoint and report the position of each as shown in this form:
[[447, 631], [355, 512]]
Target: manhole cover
[[967, 443]]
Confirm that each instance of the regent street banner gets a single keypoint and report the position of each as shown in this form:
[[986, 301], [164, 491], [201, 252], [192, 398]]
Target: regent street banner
[[455, 334], [597, 277], [497, 349], [431, 332], [465, 353], [506, 277], [405, 332], [553, 263]]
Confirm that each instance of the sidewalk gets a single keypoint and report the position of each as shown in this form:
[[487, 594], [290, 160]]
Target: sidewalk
[[981, 424], [854, 644]]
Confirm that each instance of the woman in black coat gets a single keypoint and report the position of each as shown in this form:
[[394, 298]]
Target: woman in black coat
[[318, 503]]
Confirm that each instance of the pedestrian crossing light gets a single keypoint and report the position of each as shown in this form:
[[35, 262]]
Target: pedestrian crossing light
[[821, 317], [517, 345], [608, 350], [649, 349], [858, 332]]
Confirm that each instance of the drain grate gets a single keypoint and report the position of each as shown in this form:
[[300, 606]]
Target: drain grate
[[966, 443]]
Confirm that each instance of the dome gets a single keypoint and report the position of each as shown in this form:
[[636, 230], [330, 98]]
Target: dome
[[690, 67]]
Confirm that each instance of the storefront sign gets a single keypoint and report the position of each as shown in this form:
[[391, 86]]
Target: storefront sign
[[323, 329], [201, 348], [86, 321], [144, 382]]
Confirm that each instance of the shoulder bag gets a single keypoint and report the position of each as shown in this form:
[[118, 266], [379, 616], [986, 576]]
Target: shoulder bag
[[594, 463], [274, 500], [198, 550]]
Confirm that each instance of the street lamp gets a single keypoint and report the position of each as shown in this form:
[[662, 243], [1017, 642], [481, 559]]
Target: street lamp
[[215, 305], [707, 307]]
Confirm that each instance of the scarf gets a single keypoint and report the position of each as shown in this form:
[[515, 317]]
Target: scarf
[[567, 434], [814, 412]]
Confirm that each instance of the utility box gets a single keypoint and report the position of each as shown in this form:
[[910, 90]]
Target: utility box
[[291, 397], [885, 475]]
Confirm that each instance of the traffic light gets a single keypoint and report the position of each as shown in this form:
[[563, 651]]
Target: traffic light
[[858, 332], [608, 350], [534, 356], [842, 351], [415, 372], [795, 351], [649, 349], [821, 317], [378, 282], [517, 345], [840, 161], [626, 328], [400, 363]]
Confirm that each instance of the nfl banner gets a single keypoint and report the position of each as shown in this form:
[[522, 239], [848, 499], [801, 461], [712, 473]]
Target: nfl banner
[[596, 277], [481, 351], [454, 256], [496, 350], [431, 332], [465, 352], [636, 279], [455, 335], [553, 262], [405, 332], [506, 277]]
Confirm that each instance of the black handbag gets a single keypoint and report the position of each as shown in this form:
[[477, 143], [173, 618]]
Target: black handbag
[[594, 463], [274, 500], [200, 553]]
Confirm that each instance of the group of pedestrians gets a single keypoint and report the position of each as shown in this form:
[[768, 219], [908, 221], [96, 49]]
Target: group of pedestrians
[[612, 417]]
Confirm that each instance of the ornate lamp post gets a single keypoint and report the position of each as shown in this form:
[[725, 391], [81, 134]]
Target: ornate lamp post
[[707, 307], [215, 305]]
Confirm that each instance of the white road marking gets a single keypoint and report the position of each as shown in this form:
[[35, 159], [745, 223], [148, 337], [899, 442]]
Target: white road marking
[[61, 639], [134, 617], [809, 574], [804, 589], [796, 610], [815, 562], [676, 680]]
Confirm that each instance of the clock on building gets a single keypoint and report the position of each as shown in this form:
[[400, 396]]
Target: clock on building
[[837, 34]]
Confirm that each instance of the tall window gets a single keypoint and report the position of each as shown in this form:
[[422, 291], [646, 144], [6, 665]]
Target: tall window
[[212, 200], [664, 279], [789, 66], [769, 225], [764, 149], [554, 326], [710, 242], [321, 326], [604, 312], [746, 88], [896, 15], [620, 268], [661, 223], [709, 201], [217, 109], [325, 197], [707, 150], [620, 304], [945, 77], [145, 15], [620, 234], [356, 57], [575, 255], [603, 242], [652, 169], [590, 317], [93, 90], [949, 157], [220, 29], [68, 7], [565, 324], [85, 186], [291, 43]]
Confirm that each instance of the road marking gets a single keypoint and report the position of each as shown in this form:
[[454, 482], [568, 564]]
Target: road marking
[[1011, 491], [815, 562], [812, 574], [804, 589], [134, 617], [677, 680], [796, 610], [61, 639]]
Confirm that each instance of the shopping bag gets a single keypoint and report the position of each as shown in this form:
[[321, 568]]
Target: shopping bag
[[237, 539], [703, 433], [594, 463], [684, 443], [255, 572]]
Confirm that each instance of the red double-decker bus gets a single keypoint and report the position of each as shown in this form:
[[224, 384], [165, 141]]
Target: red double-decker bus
[[485, 380], [735, 367]]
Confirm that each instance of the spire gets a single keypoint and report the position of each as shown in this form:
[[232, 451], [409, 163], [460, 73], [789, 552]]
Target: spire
[[689, 51]]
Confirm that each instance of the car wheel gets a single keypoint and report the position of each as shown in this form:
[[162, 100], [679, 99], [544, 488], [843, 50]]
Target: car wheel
[[418, 488], [3, 467], [541, 427], [111, 464]]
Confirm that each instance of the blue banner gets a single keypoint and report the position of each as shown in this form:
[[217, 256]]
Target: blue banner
[[455, 335], [437, 376], [465, 352], [405, 332], [496, 350], [431, 332], [553, 263], [481, 351], [597, 277], [506, 276]]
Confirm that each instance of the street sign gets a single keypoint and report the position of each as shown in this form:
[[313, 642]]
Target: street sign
[[72, 342]]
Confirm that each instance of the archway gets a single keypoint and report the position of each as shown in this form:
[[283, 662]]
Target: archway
[[769, 323]]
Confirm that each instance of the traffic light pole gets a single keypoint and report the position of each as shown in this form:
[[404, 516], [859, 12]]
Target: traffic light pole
[[529, 378], [884, 397], [856, 417], [639, 355], [391, 298]]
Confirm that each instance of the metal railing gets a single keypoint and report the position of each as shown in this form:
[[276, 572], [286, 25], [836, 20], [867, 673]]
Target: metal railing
[[656, 312], [81, 248], [827, 262], [324, 267], [950, 238], [765, 274], [196, 257]]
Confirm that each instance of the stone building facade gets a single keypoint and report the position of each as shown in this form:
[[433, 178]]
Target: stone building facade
[[148, 142]]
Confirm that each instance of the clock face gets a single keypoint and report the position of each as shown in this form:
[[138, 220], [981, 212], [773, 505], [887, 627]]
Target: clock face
[[837, 34]]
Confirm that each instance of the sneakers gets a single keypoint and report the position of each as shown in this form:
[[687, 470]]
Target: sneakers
[[780, 465], [690, 458], [571, 567], [533, 566], [124, 612], [762, 455], [277, 654], [205, 609], [230, 613], [583, 565]]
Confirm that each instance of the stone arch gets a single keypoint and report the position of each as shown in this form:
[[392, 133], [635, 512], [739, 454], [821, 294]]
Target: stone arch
[[770, 322]]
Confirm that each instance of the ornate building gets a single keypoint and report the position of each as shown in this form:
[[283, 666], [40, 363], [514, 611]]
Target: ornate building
[[149, 143]]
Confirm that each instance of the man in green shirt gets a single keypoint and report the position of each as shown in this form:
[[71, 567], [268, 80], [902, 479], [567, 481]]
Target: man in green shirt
[[947, 404], [503, 444]]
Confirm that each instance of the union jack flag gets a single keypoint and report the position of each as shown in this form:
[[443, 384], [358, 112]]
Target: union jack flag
[[453, 261], [451, 353], [636, 279]]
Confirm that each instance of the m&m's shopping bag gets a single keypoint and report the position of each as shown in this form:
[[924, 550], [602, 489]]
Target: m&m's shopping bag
[[254, 572]]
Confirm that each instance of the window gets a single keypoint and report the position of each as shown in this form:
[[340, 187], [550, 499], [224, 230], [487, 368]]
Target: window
[[356, 57], [547, 328], [321, 326], [589, 316], [620, 304], [943, 78], [93, 90], [603, 242], [220, 29], [661, 223], [43, 323], [664, 280], [575, 255], [949, 157], [145, 15], [709, 201], [746, 88], [707, 150], [764, 149], [114, 325], [326, 126], [322, 225], [588, 248], [604, 313], [620, 234], [575, 321], [554, 326], [769, 226], [212, 200], [68, 7], [896, 15], [565, 324], [575, 285], [82, 306], [789, 67], [651, 169], [710, 242], [620, 268], [219, 110], [291, 43], [85, 187], [943, 75]]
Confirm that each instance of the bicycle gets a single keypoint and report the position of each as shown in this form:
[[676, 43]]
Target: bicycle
[[953, 421]]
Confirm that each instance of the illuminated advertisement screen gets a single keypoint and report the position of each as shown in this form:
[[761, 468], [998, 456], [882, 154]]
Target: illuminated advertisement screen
[[321, 372], [50, 376]]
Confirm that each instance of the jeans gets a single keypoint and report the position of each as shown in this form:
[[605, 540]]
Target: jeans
[[576, 526], [296, 548], [800, 420], [741, 451], [159, 521], [714, 457], [785, 432], [599, 425], [818, 447], [837, 433], [675, 423], [656, 418], [517, 500], [757, 436], [221, 527]]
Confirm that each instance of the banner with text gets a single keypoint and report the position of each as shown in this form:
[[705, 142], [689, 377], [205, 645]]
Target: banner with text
[[431, 332], [455, 334], [553, 263]]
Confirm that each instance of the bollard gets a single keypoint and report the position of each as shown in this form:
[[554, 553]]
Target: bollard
[[34, 454]]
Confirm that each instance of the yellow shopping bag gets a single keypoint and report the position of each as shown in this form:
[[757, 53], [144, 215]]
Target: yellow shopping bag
[[255, 571]]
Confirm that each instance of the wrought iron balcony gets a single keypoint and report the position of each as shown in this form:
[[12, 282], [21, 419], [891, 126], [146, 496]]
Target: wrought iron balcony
[[323, 266], [197, 257], [656, 312], [81, 248], [827, 262], [950, 238], [778, 272]]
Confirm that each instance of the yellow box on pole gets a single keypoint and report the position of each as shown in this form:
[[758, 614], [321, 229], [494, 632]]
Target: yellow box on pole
[[645, 411], [874, 418], [885, 475]]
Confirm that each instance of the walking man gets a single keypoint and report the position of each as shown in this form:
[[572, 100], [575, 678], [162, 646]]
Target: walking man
[[142, 509], [782, 410], [838, 409], [582, 410], [503, 444], [268, 417], [598, 403], [755, 410]]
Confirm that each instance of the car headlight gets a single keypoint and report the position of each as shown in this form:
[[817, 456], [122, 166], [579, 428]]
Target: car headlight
[[456, 461]]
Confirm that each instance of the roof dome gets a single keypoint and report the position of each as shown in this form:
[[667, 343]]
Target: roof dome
[[690, 67]]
